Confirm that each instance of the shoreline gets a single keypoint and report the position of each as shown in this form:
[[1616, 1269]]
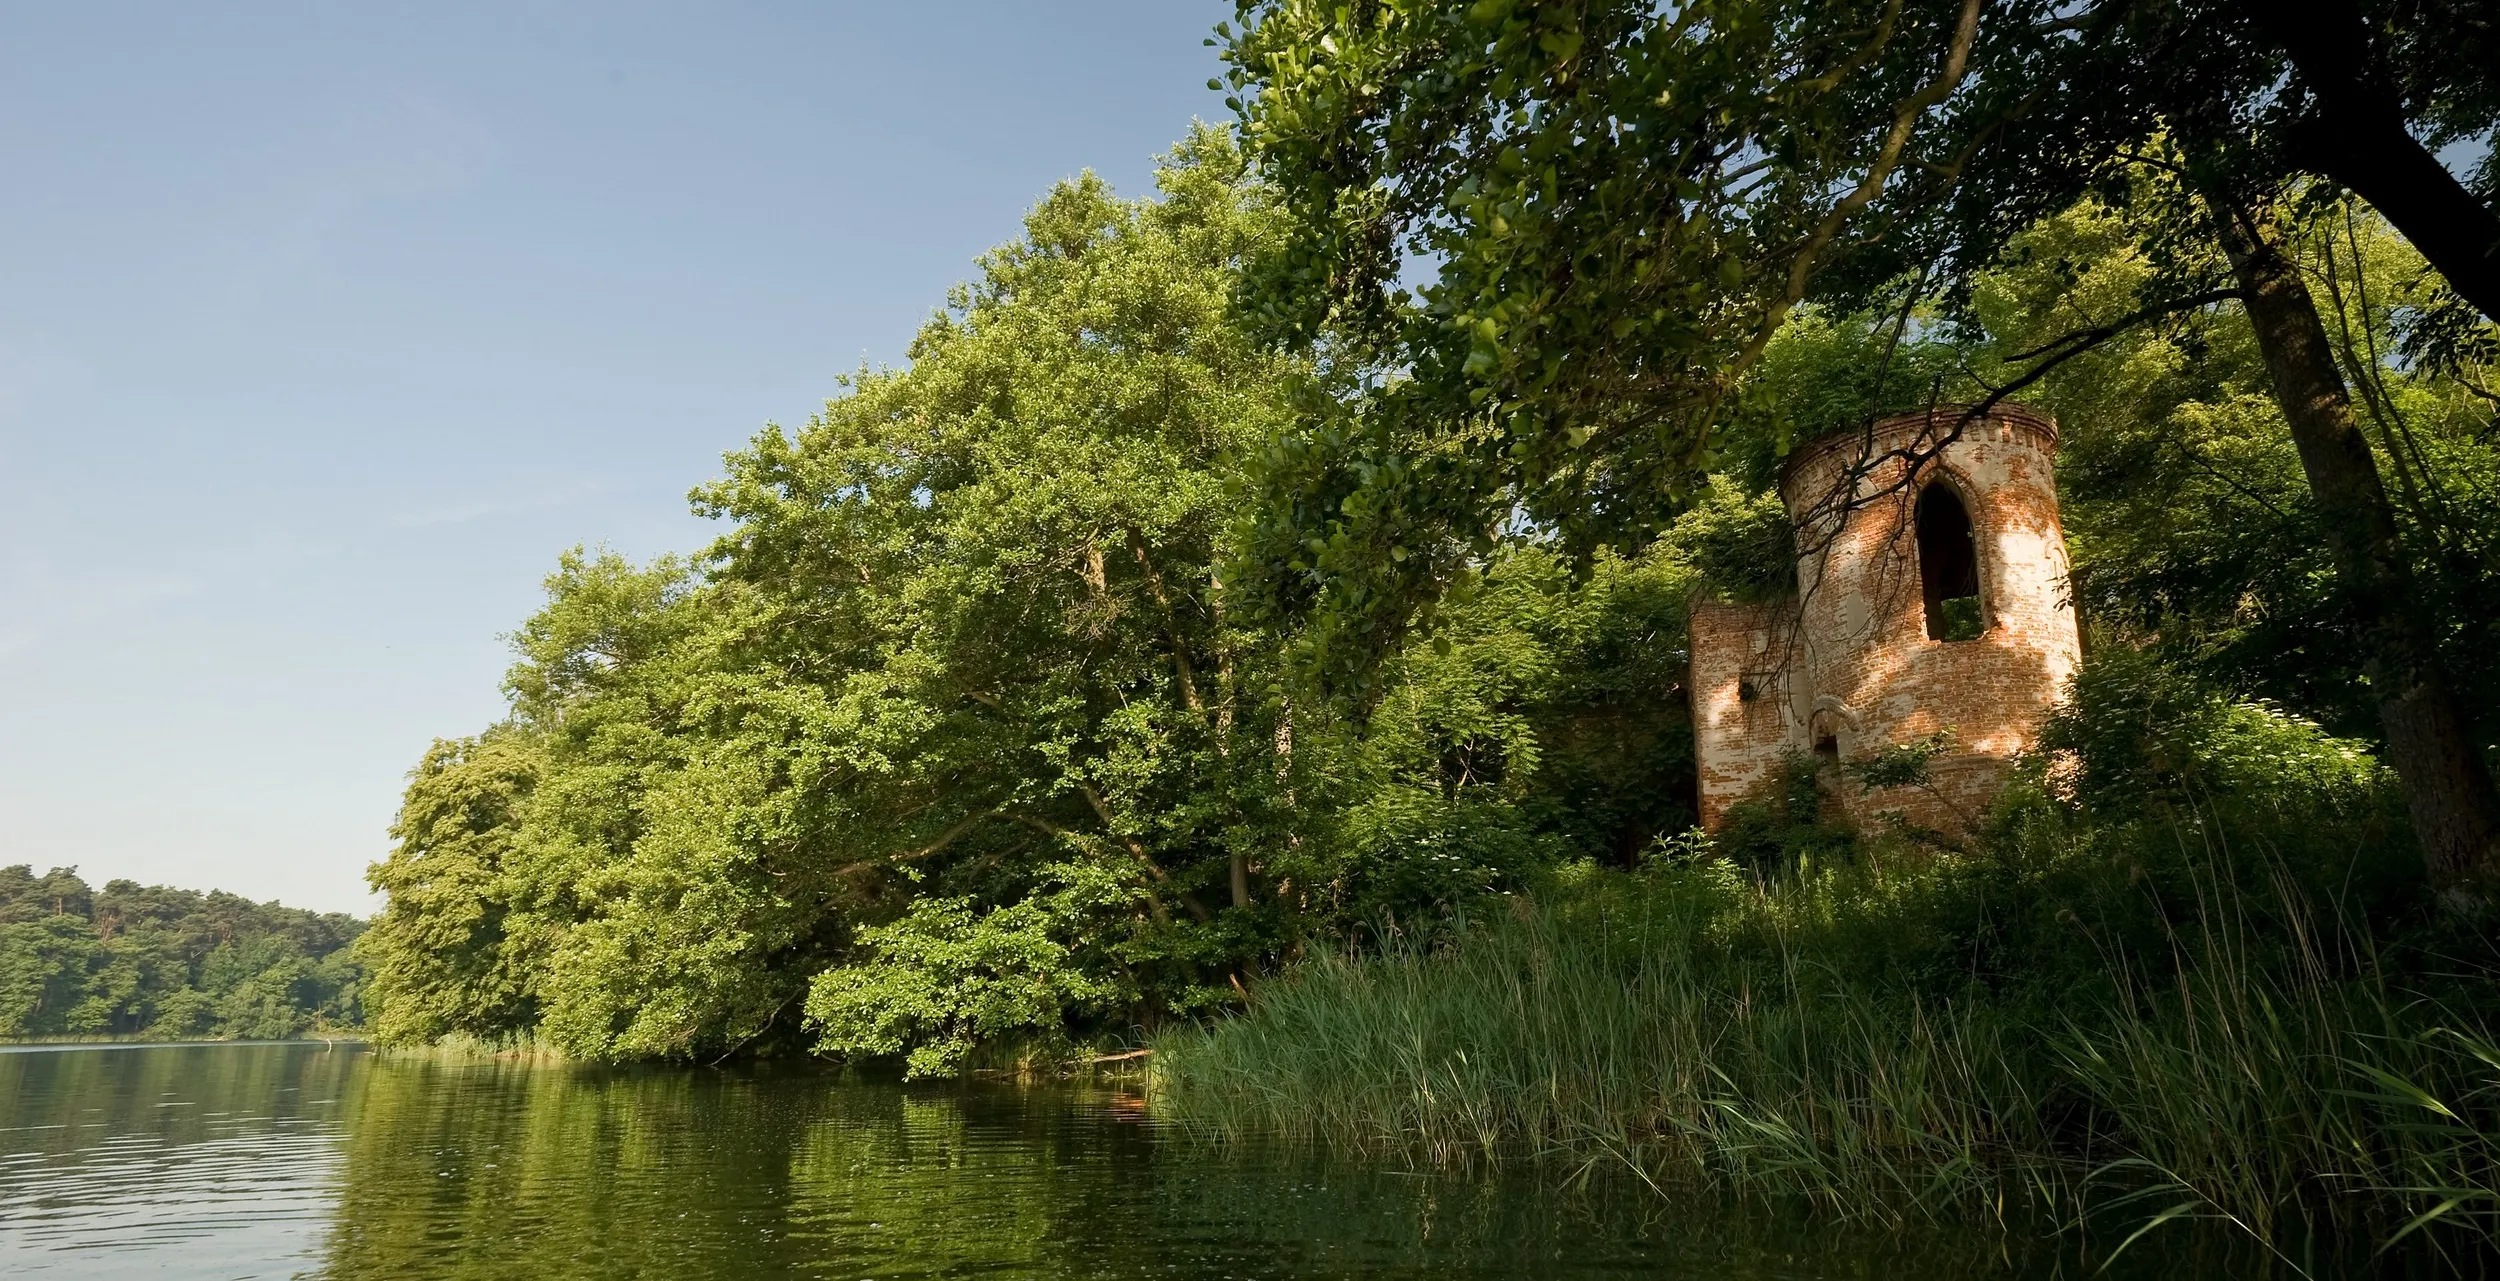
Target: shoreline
[[34, 1046]]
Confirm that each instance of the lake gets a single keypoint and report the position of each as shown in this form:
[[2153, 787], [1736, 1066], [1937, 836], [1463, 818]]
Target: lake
[[282, 1160]]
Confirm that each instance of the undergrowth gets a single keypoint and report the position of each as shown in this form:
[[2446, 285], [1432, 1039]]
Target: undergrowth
[[2217, 1002]]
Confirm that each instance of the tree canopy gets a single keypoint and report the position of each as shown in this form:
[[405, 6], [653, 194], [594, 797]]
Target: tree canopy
[[168, 963], [1299, 556], [953, 736], [1615, 209]]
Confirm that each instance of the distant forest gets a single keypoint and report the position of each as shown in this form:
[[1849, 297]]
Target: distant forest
[[152, 960]]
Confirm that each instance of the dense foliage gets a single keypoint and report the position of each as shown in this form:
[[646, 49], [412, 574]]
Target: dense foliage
[[1571, 234], [2190, 522], [966, 735], [134, 959], [1577, 229], [951, 739], [1245, 595]]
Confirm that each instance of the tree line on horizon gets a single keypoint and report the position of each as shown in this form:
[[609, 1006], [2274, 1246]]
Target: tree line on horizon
[[173, 964]]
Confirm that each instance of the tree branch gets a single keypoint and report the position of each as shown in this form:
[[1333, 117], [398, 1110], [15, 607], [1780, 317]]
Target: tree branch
[[1905, 118], [1171, 622], [1137, 850]]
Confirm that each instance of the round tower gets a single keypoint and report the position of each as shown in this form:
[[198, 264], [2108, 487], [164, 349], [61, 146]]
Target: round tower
[[1932, 597]]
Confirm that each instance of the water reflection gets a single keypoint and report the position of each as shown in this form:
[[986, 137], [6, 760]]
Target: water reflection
[[278, 1161], [210, 1160], [500, 1170]]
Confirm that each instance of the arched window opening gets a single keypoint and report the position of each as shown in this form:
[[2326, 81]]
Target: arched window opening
[[1948, 565]]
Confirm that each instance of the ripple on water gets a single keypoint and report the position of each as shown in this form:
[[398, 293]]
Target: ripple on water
[[138, 1161], [273, 1161]]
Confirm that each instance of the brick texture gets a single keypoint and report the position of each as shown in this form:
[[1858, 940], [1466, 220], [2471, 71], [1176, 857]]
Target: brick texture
[[1848, 665], [1744, 709]]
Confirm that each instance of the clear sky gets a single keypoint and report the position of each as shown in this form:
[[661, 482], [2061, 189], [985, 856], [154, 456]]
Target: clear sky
[[323, 329]]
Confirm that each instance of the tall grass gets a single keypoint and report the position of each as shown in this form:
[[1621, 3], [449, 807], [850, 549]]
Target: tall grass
[[1957, 1035], [525, 1046]]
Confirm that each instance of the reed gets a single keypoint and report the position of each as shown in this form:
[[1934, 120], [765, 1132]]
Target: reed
[[525, 1046], [2244, 1056]]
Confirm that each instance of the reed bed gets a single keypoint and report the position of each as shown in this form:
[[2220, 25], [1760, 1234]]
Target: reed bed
[[525, 1046], [1883, 1047]]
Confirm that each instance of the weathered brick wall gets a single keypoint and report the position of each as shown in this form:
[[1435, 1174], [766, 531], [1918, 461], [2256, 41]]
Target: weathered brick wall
[[1738, 740], [1861, 673], [1878, 680]]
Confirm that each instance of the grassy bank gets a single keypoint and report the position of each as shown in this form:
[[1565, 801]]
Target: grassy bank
[[2116, 1027]]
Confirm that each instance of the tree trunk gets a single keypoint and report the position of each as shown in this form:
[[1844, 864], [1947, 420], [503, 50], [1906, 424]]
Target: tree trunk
[[2356, 135], [1187, 673], [2448, 787]]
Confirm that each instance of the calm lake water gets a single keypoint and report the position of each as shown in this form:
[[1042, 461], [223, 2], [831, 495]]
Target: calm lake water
[[224, 1161]]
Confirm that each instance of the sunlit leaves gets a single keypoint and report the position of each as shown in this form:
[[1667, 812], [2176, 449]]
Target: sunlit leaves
[[1559, 235], [959, 650]]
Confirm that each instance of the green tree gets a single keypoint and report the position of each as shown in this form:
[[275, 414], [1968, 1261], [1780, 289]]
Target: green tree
[[957, 736], [1614, 211], [1543, 721], [43, 966], [1619, 208], [438, 953], [963, 647], [149, 958], [2186, 509]]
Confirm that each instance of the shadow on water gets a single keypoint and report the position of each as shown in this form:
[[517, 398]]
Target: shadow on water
[[279, 1161]]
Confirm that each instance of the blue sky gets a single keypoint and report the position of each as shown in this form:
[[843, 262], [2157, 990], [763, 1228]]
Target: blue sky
[[326, 328]]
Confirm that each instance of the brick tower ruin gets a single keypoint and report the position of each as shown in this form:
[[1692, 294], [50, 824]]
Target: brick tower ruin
[[1930, 597]]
